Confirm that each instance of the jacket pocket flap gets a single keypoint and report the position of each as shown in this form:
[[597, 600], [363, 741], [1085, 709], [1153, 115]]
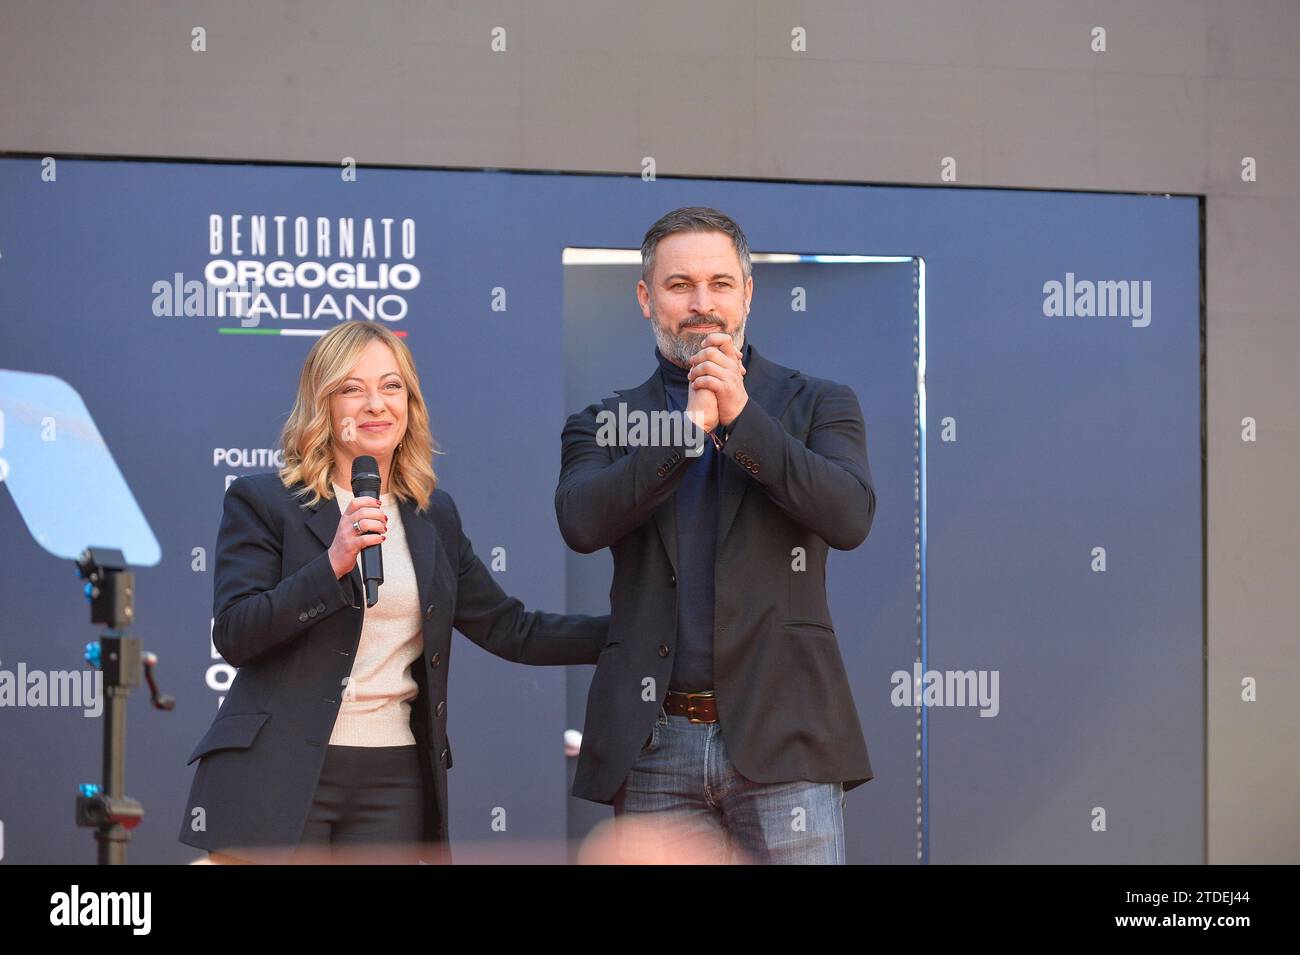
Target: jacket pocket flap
[[811, 626], [236, 731]]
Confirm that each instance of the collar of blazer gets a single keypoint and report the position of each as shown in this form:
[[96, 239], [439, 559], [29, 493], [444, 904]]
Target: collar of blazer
[[421, 538], [771, 385]]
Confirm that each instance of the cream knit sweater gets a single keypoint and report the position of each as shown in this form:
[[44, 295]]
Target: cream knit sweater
[[375, 708]]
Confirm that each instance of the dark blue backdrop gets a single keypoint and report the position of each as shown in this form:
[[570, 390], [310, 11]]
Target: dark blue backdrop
[[1072, 433]]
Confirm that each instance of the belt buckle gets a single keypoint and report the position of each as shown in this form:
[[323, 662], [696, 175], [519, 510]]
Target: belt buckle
[[689, 706]]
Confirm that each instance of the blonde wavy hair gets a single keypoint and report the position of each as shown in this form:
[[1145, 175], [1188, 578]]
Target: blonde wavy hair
[[307, 440]]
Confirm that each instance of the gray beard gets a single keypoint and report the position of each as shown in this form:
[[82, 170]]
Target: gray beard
[[681, 349]]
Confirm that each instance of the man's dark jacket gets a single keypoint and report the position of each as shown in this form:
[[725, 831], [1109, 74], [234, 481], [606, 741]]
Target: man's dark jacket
[[795, 481]]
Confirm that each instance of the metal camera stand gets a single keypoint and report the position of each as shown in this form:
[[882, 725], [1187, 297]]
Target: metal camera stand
[[110, 590]]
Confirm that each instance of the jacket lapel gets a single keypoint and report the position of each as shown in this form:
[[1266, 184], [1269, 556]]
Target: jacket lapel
[[421, 538], [647, 397], [772, 386]]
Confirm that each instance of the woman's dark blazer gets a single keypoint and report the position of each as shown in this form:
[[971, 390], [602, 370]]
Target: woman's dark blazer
[[292, 628]]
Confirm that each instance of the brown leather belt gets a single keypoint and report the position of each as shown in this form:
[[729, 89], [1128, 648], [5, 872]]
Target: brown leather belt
[[700, 707]]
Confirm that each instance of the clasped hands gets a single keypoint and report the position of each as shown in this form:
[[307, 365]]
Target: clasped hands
[[717, 388]]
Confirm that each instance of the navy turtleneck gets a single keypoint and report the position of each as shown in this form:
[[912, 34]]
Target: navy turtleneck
[[695, 506]]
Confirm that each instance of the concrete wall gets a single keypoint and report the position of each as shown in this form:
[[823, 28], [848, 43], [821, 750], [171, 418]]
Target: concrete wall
[[1012, 91]]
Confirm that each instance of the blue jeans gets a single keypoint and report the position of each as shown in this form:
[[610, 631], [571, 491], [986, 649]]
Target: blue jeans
[[684, 801]]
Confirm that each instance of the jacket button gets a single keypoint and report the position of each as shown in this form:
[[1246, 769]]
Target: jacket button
[[436, 659], [320, 608], [428, 611], [659, 472], [663, 649], [303, 616], [312, 612], [442, 758], [672, 580], [442, 708]]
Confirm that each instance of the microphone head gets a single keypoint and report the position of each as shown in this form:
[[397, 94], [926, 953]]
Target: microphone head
[[365, 476]]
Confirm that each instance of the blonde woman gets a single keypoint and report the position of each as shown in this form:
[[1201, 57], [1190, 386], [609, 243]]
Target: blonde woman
[[334, 730]]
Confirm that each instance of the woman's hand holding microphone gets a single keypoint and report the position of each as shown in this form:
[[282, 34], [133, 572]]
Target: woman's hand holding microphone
[[362, 525]]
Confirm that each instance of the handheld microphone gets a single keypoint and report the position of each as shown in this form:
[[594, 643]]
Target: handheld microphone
[[366, 483]]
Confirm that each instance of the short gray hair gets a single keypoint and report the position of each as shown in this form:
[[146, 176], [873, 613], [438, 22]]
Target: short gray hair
[[693, 219]]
